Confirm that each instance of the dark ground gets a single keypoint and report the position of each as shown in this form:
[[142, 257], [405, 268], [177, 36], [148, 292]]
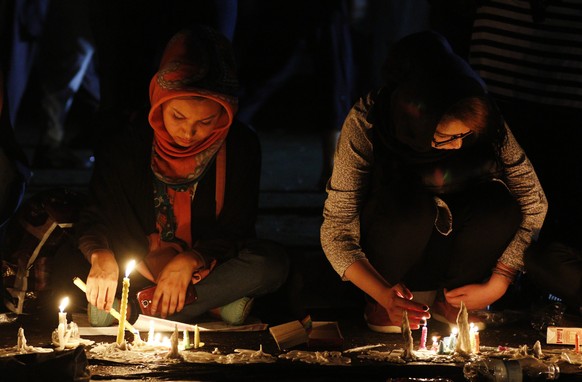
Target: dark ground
[[290, 213]]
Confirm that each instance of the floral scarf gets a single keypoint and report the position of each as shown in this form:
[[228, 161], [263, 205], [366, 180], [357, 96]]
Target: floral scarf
[[196, 63]]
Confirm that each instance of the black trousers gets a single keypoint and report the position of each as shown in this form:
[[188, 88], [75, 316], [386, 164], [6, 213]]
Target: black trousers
[[402, 243], [557, 268]]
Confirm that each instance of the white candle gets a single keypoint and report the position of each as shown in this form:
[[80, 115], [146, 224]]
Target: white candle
[[61, 335], [62, 313], [196, 337], [62, 326], [123, 305], [151, 333]]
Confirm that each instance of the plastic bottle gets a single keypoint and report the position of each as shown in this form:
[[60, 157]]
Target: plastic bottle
[[493, 370], [497, 370], [536, 370]]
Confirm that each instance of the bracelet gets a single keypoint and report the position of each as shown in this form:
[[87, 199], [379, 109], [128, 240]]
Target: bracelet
[[505, 273]]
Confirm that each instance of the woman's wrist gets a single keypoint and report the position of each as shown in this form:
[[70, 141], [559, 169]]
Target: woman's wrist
[[199, 260], [101, 255], [505, 271]]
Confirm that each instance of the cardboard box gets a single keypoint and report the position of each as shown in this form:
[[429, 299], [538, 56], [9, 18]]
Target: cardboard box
[[324, 334], [563, 336]]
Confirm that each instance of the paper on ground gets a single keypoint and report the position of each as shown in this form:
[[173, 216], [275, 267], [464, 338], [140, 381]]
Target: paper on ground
[[161, 325]]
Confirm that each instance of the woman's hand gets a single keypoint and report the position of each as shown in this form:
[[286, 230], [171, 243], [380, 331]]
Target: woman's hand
[[397, 299], [478, 296], [102, 279], [173, 282]]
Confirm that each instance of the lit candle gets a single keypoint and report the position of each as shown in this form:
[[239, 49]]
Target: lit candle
[[123, 305], [435, 344], [62, 313], [196, 337], [62, 327], [423, 335]]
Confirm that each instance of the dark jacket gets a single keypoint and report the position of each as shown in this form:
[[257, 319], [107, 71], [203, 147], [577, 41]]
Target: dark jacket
[[121, 213]]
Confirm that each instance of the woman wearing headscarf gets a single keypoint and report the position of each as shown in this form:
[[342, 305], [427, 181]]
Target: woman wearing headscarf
[[429, 192], [179, 195]]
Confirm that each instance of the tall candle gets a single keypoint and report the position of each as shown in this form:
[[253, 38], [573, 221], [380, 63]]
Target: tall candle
[[477, 342], [196, 337], [151, 333], [123, 305], [423, 335]]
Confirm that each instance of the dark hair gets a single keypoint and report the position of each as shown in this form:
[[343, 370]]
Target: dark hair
[[481, 115]]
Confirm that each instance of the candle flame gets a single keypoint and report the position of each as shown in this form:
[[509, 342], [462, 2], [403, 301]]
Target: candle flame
[[129, 268], [64, 303]]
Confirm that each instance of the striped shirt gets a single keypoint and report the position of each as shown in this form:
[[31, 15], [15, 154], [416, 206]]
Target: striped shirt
[[530, 54]]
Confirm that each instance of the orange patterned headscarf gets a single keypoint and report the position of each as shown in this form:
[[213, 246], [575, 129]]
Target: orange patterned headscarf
[[196, 62]]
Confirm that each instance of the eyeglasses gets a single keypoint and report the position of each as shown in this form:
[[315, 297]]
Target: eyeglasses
[[452, 138]]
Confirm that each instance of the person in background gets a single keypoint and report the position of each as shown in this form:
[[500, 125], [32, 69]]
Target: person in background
[[64, 68], [430, 192], [14, 171], [129, 41], [178, 192], [528, 54]]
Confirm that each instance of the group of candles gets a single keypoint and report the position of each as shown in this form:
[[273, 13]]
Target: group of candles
[[447, 344], [156, 339]]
